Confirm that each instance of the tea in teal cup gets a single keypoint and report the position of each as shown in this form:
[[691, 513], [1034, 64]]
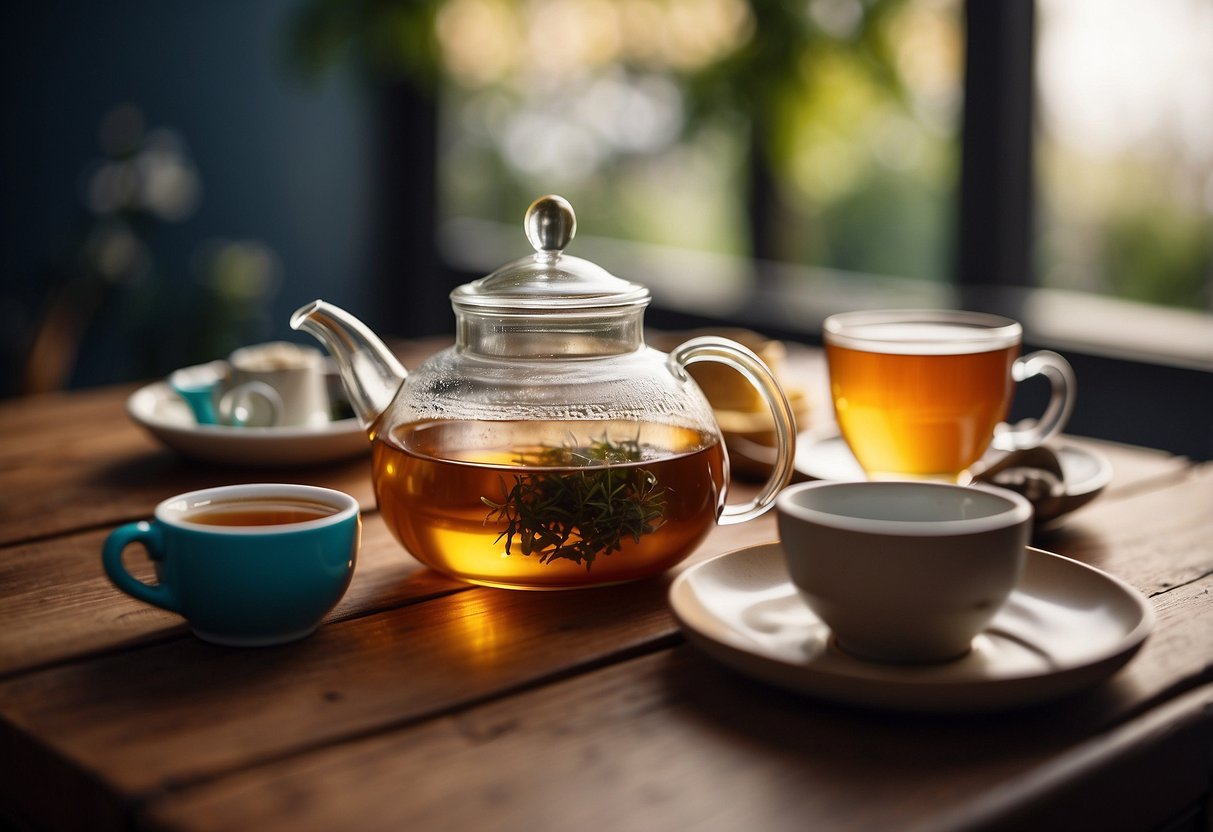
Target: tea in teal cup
[[245, 565]]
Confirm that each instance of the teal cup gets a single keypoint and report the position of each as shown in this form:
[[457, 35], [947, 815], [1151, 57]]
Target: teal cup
[[245, 565]]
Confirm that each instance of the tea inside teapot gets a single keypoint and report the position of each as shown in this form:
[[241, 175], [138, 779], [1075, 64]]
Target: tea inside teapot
[[549, 504]]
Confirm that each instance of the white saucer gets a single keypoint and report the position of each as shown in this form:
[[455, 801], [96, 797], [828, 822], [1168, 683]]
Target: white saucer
[[1066, 627], [166, 416], [825, 456]]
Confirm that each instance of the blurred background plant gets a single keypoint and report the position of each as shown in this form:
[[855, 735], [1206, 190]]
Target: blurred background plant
[[757, 128], [112, 298], [823, 133]]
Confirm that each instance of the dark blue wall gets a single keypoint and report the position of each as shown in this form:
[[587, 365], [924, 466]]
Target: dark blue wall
[[281, 160]]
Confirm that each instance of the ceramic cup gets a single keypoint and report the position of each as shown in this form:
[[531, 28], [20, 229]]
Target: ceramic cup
[[279, 384], [246, 565], [903, 571], [921, 394]]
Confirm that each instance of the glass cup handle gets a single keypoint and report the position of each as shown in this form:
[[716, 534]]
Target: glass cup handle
[[744, 361], [147, 533], [1061, 401]]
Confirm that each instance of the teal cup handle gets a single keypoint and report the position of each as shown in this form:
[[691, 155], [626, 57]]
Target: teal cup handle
[[150, 535]]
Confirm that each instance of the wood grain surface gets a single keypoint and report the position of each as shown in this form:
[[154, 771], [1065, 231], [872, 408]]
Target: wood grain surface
[[426, 703]]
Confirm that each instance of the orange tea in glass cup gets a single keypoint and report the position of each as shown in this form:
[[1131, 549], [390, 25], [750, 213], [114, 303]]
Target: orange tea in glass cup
[[921, 394]]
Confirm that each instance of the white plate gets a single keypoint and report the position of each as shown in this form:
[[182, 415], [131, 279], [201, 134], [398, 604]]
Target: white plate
[[825, 456], [166, 416], [1065, 627]]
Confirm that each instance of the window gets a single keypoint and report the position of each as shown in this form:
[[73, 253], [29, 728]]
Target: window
[[822, 133], [1125, 149]]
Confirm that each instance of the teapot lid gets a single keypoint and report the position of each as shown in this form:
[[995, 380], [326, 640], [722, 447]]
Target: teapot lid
[[549, 279]]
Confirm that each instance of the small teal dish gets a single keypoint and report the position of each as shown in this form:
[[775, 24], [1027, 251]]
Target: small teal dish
[[245, 585]]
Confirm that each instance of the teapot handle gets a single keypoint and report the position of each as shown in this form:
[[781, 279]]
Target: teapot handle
[[744, 361]]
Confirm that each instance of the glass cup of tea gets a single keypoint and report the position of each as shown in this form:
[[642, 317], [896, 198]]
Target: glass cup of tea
[[246, 565], [922, 394]]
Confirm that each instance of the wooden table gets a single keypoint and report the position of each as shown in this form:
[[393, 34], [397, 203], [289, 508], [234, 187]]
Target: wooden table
[[423, 703]]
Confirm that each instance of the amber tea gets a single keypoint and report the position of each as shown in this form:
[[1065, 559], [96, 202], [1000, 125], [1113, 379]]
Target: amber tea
[[270, 511], [919, 399], [533, 505]]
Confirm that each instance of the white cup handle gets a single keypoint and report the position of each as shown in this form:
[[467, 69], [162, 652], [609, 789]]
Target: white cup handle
[[253, 404], [1061, 401]]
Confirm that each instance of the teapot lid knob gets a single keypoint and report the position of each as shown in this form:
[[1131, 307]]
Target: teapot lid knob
[[549, 282], [550, 224]]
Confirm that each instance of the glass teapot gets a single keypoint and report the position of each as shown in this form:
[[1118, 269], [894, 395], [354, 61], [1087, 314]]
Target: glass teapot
[[549, 448]]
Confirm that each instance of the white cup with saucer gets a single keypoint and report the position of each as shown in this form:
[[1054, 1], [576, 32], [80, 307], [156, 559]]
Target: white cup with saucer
[[903, 572]]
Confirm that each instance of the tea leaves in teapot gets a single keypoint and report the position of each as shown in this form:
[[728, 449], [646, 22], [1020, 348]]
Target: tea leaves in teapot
[[582, 513]]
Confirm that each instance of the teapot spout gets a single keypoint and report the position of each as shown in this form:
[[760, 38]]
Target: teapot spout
[[370, 371]]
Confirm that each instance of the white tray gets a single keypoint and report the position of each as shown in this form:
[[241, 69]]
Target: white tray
[[163, 413]]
